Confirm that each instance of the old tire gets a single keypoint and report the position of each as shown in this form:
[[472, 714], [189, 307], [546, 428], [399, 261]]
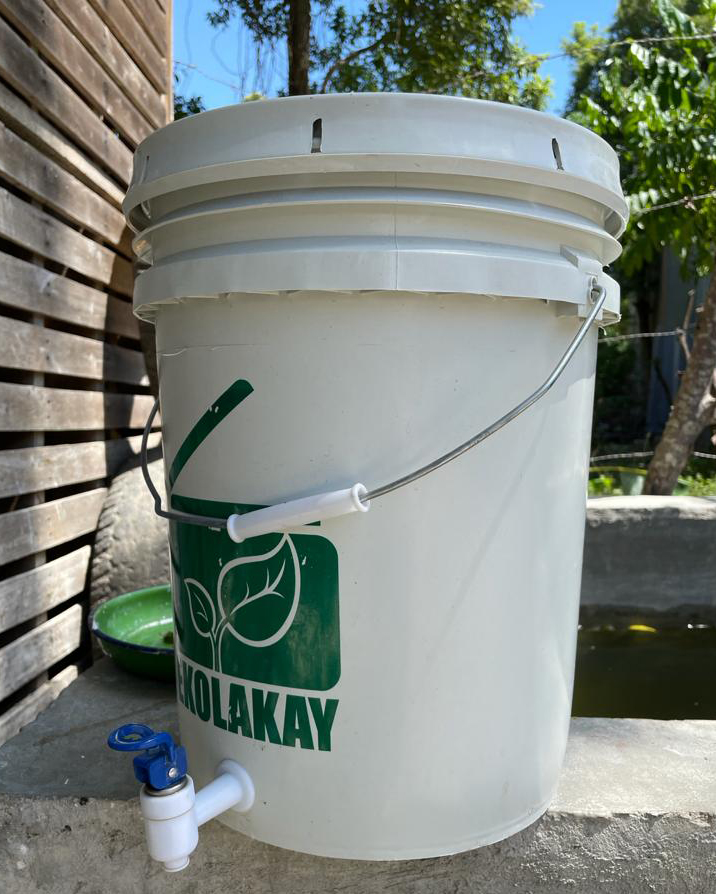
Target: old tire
[[131, 549]]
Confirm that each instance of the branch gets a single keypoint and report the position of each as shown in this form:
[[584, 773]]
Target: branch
[[339, 63], [600, 48], [232, 84], [681, 333], [687, 200]]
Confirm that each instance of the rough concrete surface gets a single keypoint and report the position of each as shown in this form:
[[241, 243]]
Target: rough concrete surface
[[635, 812], [650, 552]]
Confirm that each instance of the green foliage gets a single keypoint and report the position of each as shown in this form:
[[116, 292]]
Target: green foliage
[[634, 19], [187, 105], [447, 46], [192, 105], [267, 21], [625, 481], [615, 481], [620, 387], [604, 486], [439, 46], [655, 104], [699, 485]]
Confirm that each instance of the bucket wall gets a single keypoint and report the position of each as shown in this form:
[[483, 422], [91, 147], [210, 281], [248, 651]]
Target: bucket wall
[[424, 704]]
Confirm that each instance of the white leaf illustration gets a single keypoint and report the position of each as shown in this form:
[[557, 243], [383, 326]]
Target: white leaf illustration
[[200, 607], [264, 575]]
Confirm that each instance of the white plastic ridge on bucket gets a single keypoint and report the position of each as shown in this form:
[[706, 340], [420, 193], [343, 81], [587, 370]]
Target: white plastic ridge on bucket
[[344, 288]]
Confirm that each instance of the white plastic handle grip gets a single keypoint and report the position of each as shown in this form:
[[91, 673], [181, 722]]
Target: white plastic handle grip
[[293, 514]]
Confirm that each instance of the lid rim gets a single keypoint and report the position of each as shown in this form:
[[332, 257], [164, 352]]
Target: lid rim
[[387, 98], [221, 172], [393, 132]]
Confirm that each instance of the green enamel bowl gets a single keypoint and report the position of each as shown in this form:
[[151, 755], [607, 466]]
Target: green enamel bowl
[[137, 631]]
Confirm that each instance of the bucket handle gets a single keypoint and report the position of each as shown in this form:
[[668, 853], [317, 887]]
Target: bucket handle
[[284, 516]]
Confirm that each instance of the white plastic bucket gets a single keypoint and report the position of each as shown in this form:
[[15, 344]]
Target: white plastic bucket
[[335, 287]]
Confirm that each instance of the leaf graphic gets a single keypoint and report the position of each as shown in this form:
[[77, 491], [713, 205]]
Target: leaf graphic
[[201, 607], [259, 594]]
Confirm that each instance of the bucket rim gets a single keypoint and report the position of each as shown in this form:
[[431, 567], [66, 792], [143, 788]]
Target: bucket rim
[[380, 96], [472, 137]]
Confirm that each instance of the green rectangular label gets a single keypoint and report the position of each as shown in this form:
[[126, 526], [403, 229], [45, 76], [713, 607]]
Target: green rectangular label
[[264, 610]]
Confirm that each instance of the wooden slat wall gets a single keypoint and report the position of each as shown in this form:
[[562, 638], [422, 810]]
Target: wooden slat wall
[[81, 84]]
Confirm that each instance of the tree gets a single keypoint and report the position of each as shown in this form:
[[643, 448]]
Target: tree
[[439, 46], [447, 46], [653, 98], [187, 105]]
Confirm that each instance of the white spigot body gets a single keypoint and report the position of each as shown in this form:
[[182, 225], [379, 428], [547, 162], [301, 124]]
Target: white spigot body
[[172, 816]]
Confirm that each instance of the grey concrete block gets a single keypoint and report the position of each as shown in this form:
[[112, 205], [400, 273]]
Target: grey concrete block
[[635, 812], [650, 552]]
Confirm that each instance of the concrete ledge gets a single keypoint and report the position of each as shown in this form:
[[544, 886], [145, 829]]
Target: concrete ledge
[[636, 810], [650, 552]]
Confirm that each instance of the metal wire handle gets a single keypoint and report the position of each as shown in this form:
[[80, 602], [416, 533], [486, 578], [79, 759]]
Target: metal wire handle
[[185, 517], [597, 295]]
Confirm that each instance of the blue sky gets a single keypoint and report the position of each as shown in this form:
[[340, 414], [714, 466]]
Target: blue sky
[[225, 68]]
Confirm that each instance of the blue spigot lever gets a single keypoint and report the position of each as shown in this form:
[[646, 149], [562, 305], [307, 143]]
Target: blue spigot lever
[[173, 811], [164, 763]]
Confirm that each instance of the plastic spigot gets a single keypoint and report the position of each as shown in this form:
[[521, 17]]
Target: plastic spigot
[[164, 763]]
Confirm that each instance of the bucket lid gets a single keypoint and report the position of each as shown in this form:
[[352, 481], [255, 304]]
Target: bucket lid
[[375, 192], [376, 132]]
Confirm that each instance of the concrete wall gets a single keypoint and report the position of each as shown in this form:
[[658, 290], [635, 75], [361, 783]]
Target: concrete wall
[[650, 552]]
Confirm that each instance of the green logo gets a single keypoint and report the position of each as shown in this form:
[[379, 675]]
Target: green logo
[[262, 613], [264, 610]]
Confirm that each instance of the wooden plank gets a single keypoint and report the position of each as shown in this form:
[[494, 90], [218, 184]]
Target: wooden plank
[[39, 232], [33, 408], [152, 20], [36, 130], [107, 50], [32, 288], [27, 656], [27, 531], [39, 25], [28, 708], [34, 79], [131, 35], [27, 595], [39, 349], [28, 470], [46, 181]]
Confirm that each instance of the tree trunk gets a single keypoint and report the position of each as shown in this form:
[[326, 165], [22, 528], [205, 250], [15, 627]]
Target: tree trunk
[[299, 46], [693, 407]]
